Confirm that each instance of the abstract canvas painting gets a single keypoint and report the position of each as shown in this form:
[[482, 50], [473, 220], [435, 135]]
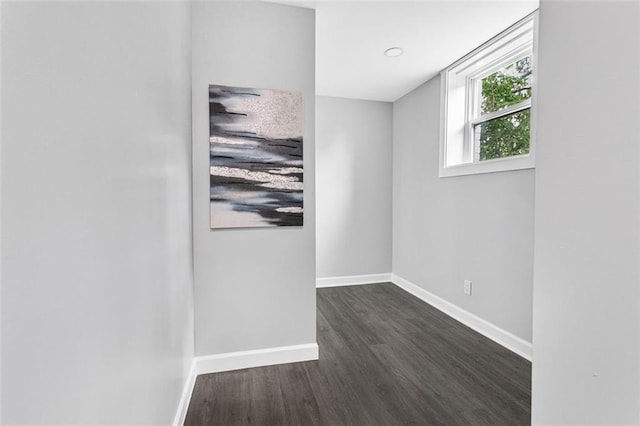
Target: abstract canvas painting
[[255, 157]]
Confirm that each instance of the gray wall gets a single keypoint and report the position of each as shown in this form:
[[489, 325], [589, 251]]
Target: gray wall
[[447, 230], [586, 297], [97, 315], [353, 159], [255, 288]]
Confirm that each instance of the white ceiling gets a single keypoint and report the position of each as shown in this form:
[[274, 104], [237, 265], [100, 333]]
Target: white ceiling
[[351, 37]]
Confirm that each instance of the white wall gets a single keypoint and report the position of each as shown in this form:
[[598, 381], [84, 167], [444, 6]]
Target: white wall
[[586, 311], [97, 315], [353, 159], [446, 230], [255, 288]]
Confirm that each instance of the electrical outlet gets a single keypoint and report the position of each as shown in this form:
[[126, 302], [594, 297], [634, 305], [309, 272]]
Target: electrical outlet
[[467, 287]]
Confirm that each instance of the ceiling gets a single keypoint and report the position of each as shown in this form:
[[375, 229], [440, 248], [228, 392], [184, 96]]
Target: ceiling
[[351, 37]]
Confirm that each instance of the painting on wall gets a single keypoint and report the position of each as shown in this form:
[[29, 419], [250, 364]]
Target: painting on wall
[[255, 157]]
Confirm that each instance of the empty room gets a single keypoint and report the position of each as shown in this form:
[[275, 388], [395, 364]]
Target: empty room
[[320, 212]]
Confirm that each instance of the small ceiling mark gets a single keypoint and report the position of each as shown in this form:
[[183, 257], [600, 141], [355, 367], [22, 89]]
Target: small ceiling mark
[[393, 52]]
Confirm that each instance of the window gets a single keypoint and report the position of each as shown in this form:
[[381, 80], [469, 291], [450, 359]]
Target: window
[[486, 106]]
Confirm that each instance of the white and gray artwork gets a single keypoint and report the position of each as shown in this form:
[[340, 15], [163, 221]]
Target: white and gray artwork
[[255, 157]]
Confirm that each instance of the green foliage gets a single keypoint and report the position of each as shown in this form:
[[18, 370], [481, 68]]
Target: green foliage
[[505, 136], [508, 135]]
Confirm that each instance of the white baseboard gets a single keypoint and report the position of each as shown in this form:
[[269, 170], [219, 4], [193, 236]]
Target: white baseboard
[[257, 358], [187, 391], [510, 341], [353, 280]]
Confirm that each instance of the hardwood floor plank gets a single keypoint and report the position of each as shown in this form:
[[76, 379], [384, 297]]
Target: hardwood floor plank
[[267, 401], [301, 407], [386, 358]]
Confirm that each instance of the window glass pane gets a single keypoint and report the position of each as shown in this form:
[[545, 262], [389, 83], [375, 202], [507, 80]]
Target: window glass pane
[[501, 137], [507, 86]]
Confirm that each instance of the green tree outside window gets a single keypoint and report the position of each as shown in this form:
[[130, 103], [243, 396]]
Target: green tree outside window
[[507, 135]]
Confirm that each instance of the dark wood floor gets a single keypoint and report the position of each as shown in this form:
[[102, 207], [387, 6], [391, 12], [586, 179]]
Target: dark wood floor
[[386, 358]]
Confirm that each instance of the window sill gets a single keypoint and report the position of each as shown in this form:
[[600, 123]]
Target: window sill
[[489, 166]]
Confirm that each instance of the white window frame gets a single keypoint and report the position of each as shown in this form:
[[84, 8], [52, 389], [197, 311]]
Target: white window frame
[[460, 92]]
